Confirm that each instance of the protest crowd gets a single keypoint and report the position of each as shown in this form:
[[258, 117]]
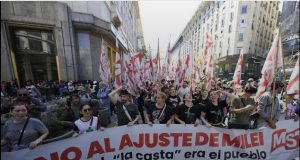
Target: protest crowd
[[147, 93], [164, 102]]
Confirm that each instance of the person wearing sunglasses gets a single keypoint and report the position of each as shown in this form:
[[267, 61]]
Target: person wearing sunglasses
[[87, 122], [35, 106]]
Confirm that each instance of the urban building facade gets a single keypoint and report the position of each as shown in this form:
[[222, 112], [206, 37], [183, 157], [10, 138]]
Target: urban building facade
[[235, 27], [62, 40], [290, 33]]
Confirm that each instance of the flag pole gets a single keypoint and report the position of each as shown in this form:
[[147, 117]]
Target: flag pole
[[192, 63], [274, 79], [283, 67]]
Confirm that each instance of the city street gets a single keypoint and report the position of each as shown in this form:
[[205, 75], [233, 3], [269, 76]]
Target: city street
[[150, 80]]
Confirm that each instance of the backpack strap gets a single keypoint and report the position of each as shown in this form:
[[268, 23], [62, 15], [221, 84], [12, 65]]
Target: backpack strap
[[20, 138], [242, 100], [91, 123], [126, 112]]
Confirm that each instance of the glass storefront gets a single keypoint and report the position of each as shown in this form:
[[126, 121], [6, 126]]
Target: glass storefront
[[34, 53]]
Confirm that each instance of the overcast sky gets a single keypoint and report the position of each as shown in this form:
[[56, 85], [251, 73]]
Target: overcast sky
[[162, 19], [165, 18]]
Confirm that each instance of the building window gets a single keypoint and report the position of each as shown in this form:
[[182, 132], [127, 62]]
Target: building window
[[34, 54], [243, 23], [36, 41], [241, 37], [231, 17], [244, 9], [229, 29]]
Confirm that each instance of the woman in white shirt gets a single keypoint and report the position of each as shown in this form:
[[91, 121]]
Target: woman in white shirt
[[86, 122]]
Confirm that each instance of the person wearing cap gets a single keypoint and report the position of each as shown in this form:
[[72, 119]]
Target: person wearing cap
[[82, 93], [264, 108], [291, 104], [251, 82], [127, 112]]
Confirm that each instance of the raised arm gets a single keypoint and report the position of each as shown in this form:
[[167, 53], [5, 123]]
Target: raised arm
[[112, 95], [226, 93]]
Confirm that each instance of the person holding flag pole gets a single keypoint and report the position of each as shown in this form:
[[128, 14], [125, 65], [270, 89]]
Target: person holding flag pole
[[268, 109]]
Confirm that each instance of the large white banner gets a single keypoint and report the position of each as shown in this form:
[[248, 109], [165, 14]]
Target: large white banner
[[142, 142]]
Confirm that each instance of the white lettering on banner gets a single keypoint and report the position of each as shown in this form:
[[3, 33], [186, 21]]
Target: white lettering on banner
[[142, 142], [289, 140]]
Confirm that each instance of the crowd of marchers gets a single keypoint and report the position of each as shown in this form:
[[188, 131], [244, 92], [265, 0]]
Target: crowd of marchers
[[164, 102]]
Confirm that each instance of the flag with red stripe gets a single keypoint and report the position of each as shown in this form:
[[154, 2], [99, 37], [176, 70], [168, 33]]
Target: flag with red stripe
[[104, 67], [238, 70], [208, 61], [268, 70], [118, 80]]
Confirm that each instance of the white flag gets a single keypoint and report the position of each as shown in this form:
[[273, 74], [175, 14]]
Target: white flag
[[118, 81], [238, 70], [104, 67], [268, 68]]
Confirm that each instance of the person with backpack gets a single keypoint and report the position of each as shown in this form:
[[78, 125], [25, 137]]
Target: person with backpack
[[127, 112], [241, 108], [22, 131]]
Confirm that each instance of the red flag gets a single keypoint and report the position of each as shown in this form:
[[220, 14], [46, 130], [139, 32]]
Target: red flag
[[268, 71], [168, 54], [129, 74], [207, 46], [188, 67], [210, 72], [118, 81], [158, 60], [293, 86], [104, 68], [208, 61], [238, 70], [189, 63], [179, 70]]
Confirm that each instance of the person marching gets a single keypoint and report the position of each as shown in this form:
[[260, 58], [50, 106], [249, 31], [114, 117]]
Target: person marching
[[87, 122], [127, 112]]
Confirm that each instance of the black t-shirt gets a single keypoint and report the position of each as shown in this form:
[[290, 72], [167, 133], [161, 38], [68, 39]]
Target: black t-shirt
[[215, 114], [173, 101], [188, 114], [157, 115], [196, 98], [201, 103], [121, 115]]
